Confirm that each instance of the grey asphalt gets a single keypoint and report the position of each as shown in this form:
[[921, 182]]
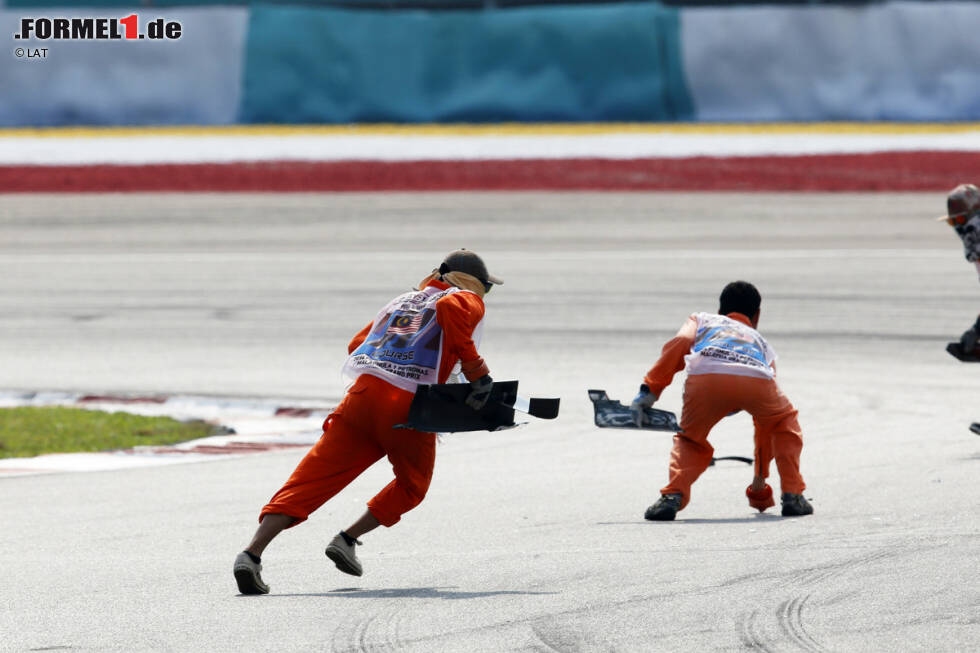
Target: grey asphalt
[[531, 539]]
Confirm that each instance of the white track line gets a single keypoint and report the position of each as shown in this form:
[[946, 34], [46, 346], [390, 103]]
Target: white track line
[[182, 148]]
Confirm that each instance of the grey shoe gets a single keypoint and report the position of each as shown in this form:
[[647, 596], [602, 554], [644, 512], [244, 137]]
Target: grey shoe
[[343, 555], [795, 505], [248, 574], [665, 509]]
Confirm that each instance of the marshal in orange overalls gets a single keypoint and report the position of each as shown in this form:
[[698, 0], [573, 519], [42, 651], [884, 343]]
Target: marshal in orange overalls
[[730, 367], [359, 431]]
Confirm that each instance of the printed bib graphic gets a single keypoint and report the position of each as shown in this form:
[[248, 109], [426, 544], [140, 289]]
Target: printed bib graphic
[[726, 346], [405, 342]]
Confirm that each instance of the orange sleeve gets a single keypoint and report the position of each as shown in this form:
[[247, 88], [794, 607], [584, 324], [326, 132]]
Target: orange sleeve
[[458, 314], [358, 340], [672, 357]]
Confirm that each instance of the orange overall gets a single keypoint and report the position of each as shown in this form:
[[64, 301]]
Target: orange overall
[[359, 431], [710, 397]]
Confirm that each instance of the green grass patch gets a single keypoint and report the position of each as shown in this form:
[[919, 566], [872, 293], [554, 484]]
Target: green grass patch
[[32, 430]]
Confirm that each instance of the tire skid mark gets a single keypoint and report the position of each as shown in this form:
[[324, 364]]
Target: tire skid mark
[[394, 630], [790, 617], [351, 638], [362, 632], [361, 636], [751, 636], [789, 611], [821, 573], [560, 637], [544, 636], [343, 638]]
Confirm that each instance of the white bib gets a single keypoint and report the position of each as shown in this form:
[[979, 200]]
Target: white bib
[[726, 346], [404, 346]]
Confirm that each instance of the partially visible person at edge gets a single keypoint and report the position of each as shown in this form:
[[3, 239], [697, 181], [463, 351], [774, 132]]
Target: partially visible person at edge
[[730, 367], [422, 336], [963, 215]]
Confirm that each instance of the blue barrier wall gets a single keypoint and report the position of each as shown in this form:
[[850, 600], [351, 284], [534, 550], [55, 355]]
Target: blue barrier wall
[[618, 62]]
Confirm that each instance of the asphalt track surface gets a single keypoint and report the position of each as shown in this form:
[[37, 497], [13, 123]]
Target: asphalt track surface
[[531, 539]]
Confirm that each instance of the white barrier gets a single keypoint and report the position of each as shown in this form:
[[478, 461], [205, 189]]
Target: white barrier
[[896, 61], [195, 79]]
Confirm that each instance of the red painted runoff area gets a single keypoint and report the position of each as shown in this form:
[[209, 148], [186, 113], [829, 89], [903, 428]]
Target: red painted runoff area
[[880, 171]]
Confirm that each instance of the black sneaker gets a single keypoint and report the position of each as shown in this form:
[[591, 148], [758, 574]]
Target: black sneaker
[[975, 427], [665, 509], [795, 505]]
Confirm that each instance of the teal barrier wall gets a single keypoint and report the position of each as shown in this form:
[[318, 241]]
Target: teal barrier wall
[[414, 4], [591, 63], [45, 6]]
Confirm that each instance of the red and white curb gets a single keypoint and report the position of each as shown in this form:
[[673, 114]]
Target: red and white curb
[[253, 425], [836, 157]]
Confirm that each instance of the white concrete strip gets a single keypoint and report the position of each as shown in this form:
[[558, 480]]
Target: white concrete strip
[[181, 148]]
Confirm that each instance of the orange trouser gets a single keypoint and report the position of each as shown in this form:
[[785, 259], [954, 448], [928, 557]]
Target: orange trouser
[[355, 436], [710, 397]]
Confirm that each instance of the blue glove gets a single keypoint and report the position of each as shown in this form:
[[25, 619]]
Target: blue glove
[[478, 396], [644, 399]]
